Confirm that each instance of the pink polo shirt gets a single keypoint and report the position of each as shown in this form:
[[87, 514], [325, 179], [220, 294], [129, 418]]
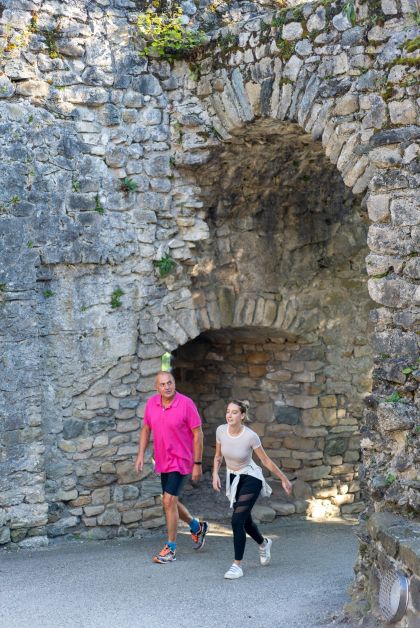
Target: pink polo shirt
[[172, 435]]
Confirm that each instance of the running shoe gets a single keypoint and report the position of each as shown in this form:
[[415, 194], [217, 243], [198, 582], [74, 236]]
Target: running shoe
[[166, 555], [265, 552], [234, 571], [199, 537]]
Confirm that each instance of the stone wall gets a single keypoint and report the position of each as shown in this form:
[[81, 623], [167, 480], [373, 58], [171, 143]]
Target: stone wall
[[111, 162]]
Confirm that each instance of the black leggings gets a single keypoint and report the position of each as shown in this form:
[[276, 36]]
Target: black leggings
[[246, 495]]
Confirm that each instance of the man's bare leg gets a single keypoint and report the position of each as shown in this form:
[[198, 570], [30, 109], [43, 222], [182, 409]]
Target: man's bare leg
[[170, 504], [184, 513]]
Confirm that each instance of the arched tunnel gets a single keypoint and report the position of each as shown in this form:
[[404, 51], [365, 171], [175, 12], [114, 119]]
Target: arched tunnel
[[285, 264]]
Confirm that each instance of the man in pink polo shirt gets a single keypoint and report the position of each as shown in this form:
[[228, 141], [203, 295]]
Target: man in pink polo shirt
[[178, 448]]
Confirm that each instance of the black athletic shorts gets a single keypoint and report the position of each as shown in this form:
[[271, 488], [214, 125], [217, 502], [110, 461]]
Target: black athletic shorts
[[172, 482]]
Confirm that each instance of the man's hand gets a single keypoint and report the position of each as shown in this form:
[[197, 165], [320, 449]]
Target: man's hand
[[216, 482], [139, 464], [196, 472]]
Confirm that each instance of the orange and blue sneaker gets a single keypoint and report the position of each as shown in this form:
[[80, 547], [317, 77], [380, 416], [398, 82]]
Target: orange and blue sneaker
[[166, 555], [199, 537]]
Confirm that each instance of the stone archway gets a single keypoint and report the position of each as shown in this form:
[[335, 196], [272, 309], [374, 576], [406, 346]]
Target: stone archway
[[280, 285]]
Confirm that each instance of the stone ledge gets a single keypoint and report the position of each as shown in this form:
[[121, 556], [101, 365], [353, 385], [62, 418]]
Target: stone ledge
[[399, 537]]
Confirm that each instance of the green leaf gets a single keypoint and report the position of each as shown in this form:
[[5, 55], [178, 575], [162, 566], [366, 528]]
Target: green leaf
[[394, 398], [115, 298]]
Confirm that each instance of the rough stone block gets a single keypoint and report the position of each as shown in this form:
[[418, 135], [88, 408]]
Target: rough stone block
[[126, 473], [63, 526], [304, 444], [101, 495], [402, 112], [34, 542], [395, 416], [4, 535], [92, 511], [72, 428], [301, 489], [130, 516], [301, 401], [301, 506], [263, 514], [282, 509], [154, 523], [111, 517], [342, 469], [292, 31], [313, 473], [287, 415]]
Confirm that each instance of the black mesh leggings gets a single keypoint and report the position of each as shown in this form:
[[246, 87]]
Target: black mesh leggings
[[246, 495]]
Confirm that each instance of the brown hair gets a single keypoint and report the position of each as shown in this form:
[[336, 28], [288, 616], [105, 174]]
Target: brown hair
[[243, 407]]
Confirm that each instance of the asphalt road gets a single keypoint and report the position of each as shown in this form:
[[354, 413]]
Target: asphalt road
[[114, 584]]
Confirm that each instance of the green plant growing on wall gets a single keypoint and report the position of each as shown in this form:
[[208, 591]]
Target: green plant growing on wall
[[50, 36], [178, 129], [394, 398], [166, 36], [388, 92], [412, 45], [375, 13], [390, 479], [29, 244], [227, 41], [195, 71], [297, 13], [128, 185], [116, 298], [279, 20], [408, 370], [75, 185], [165, 265], [413, 62], [47, 294], [33, 23], [286, 48], [350, 12], [98, 206]]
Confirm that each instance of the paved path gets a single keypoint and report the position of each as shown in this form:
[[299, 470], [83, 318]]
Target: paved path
[[114, 584]]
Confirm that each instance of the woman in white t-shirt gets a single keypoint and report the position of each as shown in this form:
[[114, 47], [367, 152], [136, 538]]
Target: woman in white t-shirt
[[244, 481]]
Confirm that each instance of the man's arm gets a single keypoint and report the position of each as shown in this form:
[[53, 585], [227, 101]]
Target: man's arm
[[198, 452], [143, 442]]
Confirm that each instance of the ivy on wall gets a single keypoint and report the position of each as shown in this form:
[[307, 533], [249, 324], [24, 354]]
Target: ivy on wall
[[166, 36]]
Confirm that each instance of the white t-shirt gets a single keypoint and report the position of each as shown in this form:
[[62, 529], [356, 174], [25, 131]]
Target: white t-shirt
[[237, 450]]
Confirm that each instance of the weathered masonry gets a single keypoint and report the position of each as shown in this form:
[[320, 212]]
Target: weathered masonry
[[251, 210]]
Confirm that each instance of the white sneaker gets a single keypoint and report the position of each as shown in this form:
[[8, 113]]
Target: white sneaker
[[234, 572], [265, 552]]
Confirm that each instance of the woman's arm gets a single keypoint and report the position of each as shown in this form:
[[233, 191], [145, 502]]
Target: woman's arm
[[271, 466], [216, 466]]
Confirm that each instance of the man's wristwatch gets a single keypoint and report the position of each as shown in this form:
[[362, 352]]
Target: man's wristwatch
[[195, 462]]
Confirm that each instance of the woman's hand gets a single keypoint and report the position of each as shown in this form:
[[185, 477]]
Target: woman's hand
[[287, 486], [216, 482]]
